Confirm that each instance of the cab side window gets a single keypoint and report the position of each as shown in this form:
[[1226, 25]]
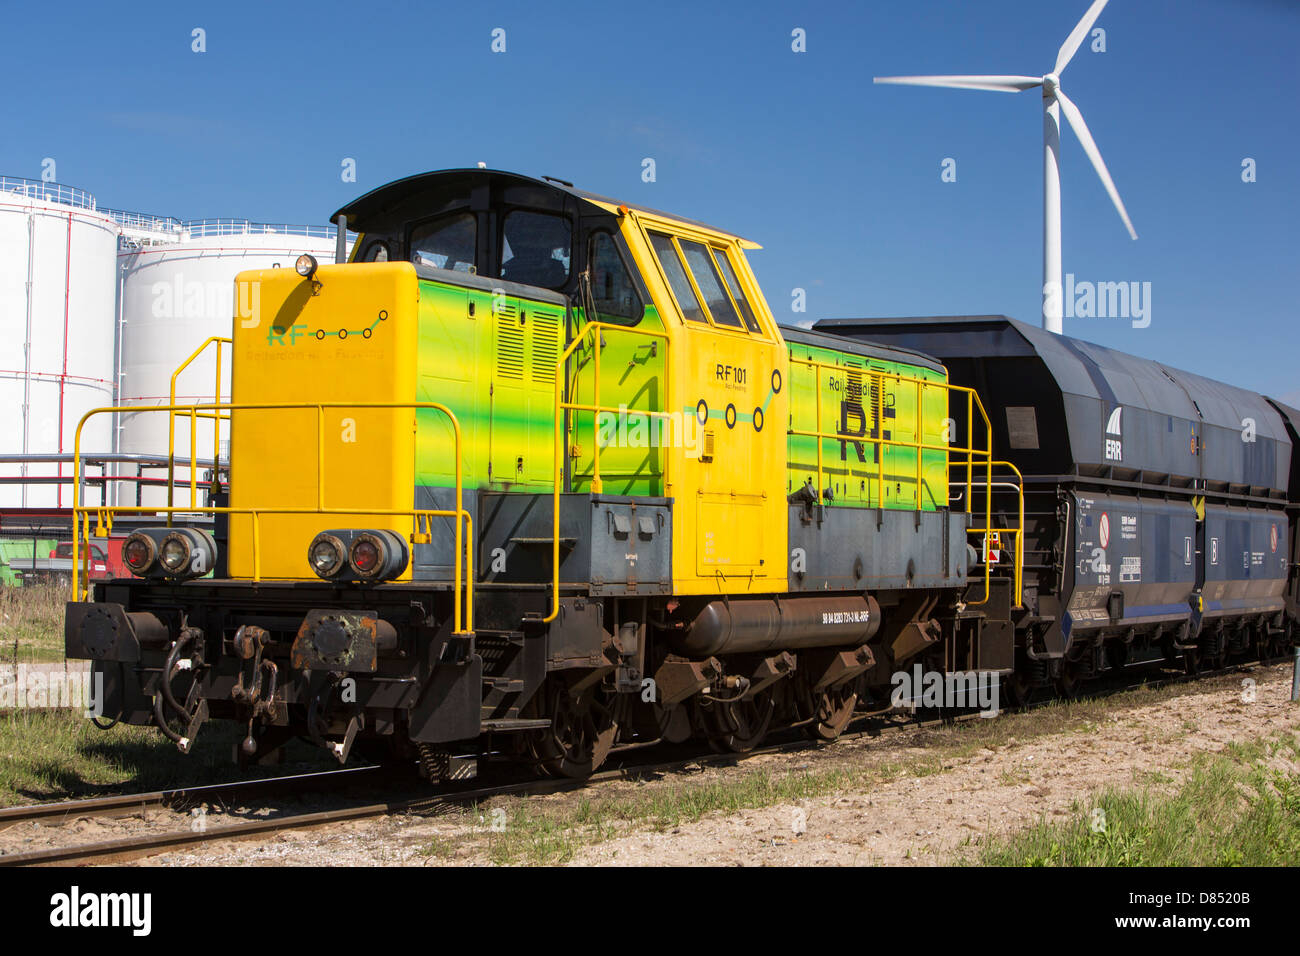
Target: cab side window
[[612, 288], [709, 283], [675, 272], [733, 285], [447, 242], [536, 249]]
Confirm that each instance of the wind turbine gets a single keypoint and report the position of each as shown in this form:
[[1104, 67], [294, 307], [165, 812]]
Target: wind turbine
[[1054, 102]]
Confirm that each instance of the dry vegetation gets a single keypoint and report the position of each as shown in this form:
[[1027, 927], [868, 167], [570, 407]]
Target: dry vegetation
[[31, 624]]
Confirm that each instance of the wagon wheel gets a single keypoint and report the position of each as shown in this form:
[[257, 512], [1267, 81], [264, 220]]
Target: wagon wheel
[[1019, 689], [738, 726], [1070, 684], [835, 707], [582, 731]]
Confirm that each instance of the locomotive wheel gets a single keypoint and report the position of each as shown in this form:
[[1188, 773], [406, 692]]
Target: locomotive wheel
[[834, 711], [581, 734], [740, 726]]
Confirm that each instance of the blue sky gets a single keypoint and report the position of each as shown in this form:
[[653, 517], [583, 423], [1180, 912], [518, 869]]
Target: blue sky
[[837, 178]]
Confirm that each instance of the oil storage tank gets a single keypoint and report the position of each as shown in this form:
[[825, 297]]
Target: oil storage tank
[[175, 295], [57, 298], [1155, 499]]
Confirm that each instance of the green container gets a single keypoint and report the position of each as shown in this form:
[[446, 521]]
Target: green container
[[12, 549]]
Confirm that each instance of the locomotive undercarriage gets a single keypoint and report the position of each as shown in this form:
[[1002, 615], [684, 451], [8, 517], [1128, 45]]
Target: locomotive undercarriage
[[380, 672]]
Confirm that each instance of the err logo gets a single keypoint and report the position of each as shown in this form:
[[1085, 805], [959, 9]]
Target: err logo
[[1114, 450]]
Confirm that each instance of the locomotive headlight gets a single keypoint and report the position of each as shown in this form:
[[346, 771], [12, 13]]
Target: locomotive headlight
[[138, 553], [326, 555], [174, 555], [377, 555], [306, 265], [366, 555]]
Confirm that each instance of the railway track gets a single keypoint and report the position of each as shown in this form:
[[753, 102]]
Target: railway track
[[143, 845], [121, 805]]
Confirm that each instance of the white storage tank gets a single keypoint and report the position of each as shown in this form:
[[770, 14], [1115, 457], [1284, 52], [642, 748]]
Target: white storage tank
[[57, 316], [175, 295]]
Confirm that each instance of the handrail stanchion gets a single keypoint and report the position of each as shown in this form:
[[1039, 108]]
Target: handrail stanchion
[[880, 450], [456, 539], [817, 390], [560, 452], [76, 505], [171, 416], [469, 569], [920, 391], [194, 457], [216, 422], [597, 486], [970, 446]]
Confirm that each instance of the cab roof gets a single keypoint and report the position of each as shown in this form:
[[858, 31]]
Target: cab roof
[[379, 205]]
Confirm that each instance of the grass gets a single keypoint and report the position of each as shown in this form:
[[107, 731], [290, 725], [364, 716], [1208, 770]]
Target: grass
[[537, 836], [535, 833], [31, 624], [59, 755], [1237, 808]]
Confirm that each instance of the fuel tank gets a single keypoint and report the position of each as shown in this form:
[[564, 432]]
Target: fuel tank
[[763, 625]]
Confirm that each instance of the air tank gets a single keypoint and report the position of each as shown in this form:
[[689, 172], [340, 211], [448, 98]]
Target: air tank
[[57, 298]]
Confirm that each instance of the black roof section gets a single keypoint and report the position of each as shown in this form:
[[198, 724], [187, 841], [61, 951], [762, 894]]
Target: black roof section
[[1083, 368], [379, 201], [887, 353], [1174, 422]]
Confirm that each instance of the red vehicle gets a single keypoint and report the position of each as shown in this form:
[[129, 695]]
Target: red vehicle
[[105, 557], [105, 562]]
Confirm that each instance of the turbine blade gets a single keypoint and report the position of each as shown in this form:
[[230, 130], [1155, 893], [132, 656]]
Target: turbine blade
[[1072, 42], [996, 84], [1090, 147]]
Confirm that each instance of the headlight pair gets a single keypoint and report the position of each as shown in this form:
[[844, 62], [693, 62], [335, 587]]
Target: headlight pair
[[176, 553], [357, 555]]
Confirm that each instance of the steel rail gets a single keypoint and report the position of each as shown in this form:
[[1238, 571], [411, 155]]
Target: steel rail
[[867, 725], [63, 811]]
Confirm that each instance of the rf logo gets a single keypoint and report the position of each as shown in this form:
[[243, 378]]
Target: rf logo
[[276, 337]]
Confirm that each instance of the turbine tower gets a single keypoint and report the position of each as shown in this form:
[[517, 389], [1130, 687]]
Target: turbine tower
[[1054, 103]]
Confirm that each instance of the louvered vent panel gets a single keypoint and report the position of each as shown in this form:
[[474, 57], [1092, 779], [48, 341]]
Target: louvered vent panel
[[546, 345], [510, 342]]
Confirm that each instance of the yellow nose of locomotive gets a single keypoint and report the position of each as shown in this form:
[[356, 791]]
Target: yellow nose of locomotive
[[321, 354]]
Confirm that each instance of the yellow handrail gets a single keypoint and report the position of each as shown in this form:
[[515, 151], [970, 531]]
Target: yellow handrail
[[463, 614], [217, 418], [1018, 532], [562, 406], [970, 452]]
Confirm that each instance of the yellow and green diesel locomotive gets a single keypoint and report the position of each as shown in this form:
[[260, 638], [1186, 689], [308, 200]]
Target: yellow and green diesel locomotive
[[537, 474]]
